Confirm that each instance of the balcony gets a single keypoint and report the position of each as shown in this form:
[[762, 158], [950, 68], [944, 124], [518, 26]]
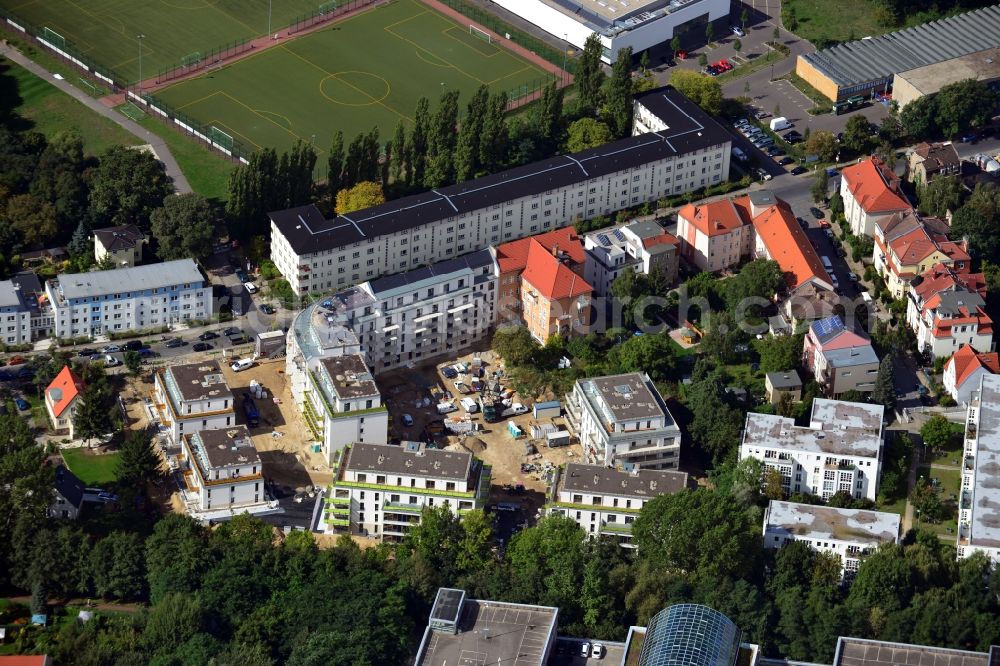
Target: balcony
[[966, 500], [405, 508], [969, 464], [616, 528]]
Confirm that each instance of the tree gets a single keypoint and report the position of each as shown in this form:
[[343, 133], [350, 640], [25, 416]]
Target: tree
[[760, 279], [964, 104], [397, 172], [590, 76], [942, 195], [419, 141], [177, 556], [704, 91], [644, 60], [776, 33], [937, 433], [823, 144], [884, 391], [253, 192], [81, 245], [654, 354], [744, 17], [133, 361], [587, 133], [618, 95], [737, 45], [118, 566], [127, 186], [545, 564], [443, 138], [821, 183], [335, 163], [35, 221], [709, 32], [779, 353], [926, 499], [494, 137], [184, 227], [773, 485], [93, 417], [138, 462], [919, 117], [363, 195], [675, 45], [716, 425], [979, 221], [514, 344], [39, 599], [702, 60], [467, 154], [857, 134]]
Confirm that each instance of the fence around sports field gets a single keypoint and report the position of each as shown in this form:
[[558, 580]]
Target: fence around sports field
[[202, 60], [327, 12]]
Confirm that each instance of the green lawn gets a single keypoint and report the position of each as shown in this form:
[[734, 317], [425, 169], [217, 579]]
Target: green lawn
[[950, 481], [105, 31], [50, 111], [207, 171], [93, 470], [840, 21], [366, 71]]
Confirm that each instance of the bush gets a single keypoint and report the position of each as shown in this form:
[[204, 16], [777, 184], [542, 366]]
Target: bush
[[268, 270], [138, 333]]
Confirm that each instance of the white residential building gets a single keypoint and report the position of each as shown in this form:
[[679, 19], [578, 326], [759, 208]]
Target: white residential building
[[122, 246], [15, 315], [100, 302], [222, 470], [380, 491], [319, 255], [871, 193], [642, 247], [622, 419], [840, 451], [193, 397], [848, 533], [606, 501], [978, 527]]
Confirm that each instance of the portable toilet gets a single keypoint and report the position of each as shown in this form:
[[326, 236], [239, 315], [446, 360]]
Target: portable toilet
[[514, 430], [547, 410]]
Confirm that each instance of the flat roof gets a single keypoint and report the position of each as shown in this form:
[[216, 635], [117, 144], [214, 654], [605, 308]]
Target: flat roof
[[689, 129], [134, 279], [225, 447], [864, 652], [837, 427], [197, 381], [9, 296], [878, 58], [826, 522], [350, 376], [982, 66], [985, 522], [850, 357], [441, 271], [629, 396], [412, 459], [492, 632], [643, 483]]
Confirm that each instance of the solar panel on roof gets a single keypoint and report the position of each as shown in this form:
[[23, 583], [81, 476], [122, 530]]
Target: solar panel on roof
[[826, 326], [619, 235], [605, 241]]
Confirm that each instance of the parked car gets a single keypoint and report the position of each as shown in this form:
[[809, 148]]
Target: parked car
[[682, 55], [407, 420], [97, 357], [738, 31], [85, 352], [111, 349], [267, 309], [802, 223], [449, 372], [22, 404], [831, 172], [111, 361], [208, 335], [242, 276], [853, 277], [106, 497], [829, 233], [232, 330], [146, 352], [174, 343], [824, 224], [792, 137], [817, 213], [798, 170], [785, 161], [132, 345], [241, 364], [761, 114], [763, 175], [585, 650], [239, 340], [597, 652], [774, 151], [201, 346]]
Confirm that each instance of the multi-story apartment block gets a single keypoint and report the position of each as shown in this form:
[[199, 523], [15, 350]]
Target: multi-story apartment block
[[963, 373], [554, 299], [15, 315], [122, 246], [643, 247], [713, 235], [840, 359], [851, 534], [907, 245], [622, 419], [319, 255], [839, 451], [947, 309], [871, 192], [192, 397], [381, 491], [89, 304], [565, 246], [222, 471], [414, 316], [978, 527], [606, 501]]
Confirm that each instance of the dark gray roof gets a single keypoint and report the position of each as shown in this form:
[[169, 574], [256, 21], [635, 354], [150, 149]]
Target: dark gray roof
[[225, 447], [69, 486], [783, 380], [643, 483], [350, 377], [119, 238], [473, 261], [411, 458], [690, 129], [878, 58], [863, 652], [953, 301], [196, 381], [630, 396]]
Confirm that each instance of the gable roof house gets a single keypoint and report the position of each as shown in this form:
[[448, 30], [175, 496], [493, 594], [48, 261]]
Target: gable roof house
[[870, 191], [564, 244], [62, 397], [907, 245], [554, 299], [67, 495], [122, 244], [947, 309], [964, 371], [930, 160]]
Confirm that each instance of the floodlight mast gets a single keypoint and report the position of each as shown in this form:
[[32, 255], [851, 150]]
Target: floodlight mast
[[138, 86]]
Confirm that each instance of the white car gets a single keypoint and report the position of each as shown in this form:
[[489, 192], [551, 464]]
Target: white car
[[111, 349], [597, 652], [110, 361], [585, 650], [738, 31]]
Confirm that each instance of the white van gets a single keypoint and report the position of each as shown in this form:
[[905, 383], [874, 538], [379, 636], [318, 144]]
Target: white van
[[779, 124], [251, 288], [739, 154], [826, 263], [241, 364], [470, 405]]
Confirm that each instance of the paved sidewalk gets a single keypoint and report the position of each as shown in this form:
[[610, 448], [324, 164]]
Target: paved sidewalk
[[173, 169]]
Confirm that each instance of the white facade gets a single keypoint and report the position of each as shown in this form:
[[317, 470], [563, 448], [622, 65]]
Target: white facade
[[222, 471], [622, 419], [978, 529], [610, 252], [100, 302], [606, 501], [193, 397], [380, 491], [15, 317], [954, 318], [840, 451], [850, 534]]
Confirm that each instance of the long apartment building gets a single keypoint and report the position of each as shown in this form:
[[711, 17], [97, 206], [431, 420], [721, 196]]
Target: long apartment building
[[623, 419], [839, 451], [222, 471], [192, 397], [25, 315], [978, 516], [127, 299], [316, 255], [381, 491], [850, 534], [606, 501]]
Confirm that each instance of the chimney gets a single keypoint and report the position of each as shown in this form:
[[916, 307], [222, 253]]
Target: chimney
[[555, 250]]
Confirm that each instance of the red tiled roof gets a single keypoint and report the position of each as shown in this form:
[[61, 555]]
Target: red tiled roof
[[939, 278], [714, 218], [874, 187], [551, 277], [662, 239], [68, 386], [513, 256], [918, 244], [788, 244], [967, 360]]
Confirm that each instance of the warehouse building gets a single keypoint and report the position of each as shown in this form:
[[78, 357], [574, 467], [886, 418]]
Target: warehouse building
[[911, 85], [868, 65]]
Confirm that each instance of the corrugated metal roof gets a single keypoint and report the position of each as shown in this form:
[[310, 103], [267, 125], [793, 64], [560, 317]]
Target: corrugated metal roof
[[878, 58]]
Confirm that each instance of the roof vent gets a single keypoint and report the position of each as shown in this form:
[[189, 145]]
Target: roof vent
[[597, 479]]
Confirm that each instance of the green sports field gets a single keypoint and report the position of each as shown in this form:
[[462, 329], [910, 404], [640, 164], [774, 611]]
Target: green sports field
[[105, 30], [368, 70]]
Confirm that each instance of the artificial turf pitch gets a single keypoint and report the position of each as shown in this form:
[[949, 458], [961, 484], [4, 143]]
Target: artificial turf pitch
[[106, 30], [364, 71]]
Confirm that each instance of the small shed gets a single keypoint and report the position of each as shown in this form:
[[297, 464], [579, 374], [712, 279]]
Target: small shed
[[540, 430], [780, 383], [270, 344], [778, 325], [547, 410], [514, 430], [558, 438]]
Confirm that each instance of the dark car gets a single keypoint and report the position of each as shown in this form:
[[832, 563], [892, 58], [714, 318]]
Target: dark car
[[242, 276], [266, 309], [132, 345], [232, 330], [792, 137], [803, 223], [786, 160], [201, 346], [208, 335], [817, 213], [774, 151], [86, 352], [22, 404], [239, 339], [798, 170], [175, 342], [147, 352], [449, 372]]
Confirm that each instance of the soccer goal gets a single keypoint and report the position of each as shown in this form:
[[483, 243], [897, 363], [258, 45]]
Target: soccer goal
[[91, 89], [328, 7], [220, 138], [191, 59], [53, 37], [481, 34]]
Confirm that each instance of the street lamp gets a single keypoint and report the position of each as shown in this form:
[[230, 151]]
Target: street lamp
[[565, 52], [140, 37], [269, 19]]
